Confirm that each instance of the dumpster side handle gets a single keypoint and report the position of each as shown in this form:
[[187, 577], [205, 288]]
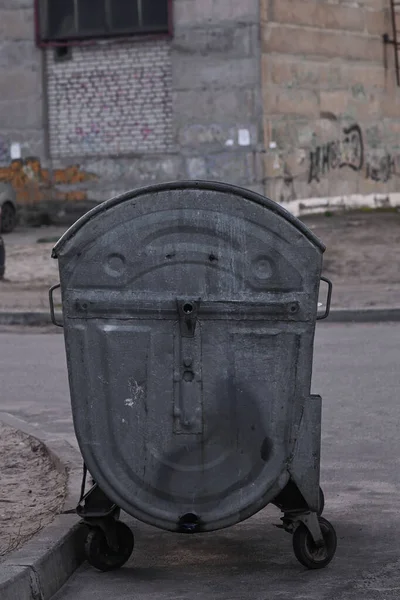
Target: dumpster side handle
[[328, 300], [51, 301]]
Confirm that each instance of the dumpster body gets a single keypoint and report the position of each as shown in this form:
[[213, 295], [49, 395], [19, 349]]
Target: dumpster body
[[189, 312]]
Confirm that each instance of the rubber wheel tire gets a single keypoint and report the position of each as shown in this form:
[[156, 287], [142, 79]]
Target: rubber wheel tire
[[101, 556], [306, 551], [8, 218], [321, 502]]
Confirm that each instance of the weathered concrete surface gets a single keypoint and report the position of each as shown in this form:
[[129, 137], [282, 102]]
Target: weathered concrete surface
[[290, 97], [331, 113], [40, 569], [21, 102], [356, 371], [42, 565], [133, 113]]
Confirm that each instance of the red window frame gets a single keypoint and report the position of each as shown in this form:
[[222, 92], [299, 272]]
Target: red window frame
[[90, 41]]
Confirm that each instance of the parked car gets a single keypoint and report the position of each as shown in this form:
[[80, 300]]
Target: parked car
[[2, 255], [8, 207]]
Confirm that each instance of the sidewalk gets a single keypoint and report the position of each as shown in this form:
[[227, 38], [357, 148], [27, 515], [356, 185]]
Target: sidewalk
[[362, 258], [38, 568]]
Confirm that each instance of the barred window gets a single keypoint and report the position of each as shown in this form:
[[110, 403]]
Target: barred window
[[65, 20]]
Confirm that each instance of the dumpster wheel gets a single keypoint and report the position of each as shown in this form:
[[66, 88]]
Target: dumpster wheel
[[306, 551], [100, 555]]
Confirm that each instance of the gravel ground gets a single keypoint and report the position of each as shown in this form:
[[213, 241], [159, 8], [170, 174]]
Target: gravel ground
[[32, 490], [362, 258]]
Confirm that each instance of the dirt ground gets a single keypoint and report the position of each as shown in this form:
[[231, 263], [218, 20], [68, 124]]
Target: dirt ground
[[362, 258], [30, 270], [32, 490]]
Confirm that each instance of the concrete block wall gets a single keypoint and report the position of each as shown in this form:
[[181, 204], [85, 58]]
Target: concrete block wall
[[201, 119], [21, 83], [331, 109], [217, 90], [116, 115], [290, 97]]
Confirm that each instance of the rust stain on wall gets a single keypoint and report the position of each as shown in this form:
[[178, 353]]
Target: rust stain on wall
[[33, 184]]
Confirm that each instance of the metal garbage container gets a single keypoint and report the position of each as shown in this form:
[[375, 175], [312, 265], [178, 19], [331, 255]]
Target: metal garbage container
[[189, 312]]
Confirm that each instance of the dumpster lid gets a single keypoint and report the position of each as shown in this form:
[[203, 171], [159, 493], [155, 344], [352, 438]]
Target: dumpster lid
[[182, 185]]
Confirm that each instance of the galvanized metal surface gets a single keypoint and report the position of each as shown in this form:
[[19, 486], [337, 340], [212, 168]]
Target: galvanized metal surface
[[189, 316]]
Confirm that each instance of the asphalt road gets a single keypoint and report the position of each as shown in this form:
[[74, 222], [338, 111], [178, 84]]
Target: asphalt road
[[357, 373], [34, 382]]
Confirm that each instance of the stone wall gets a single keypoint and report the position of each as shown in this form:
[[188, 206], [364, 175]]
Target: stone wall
[[331, 109]]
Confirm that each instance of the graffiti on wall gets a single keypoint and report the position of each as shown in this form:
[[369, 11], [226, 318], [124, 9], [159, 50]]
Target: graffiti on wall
[[349, 151], [336, 154], [296, 171], [33, 184], [381, 168]]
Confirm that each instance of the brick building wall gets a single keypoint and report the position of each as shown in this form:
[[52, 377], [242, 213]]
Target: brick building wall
[[114, 116], [110, 100], [142, 112], [287, 97], [331, 109]]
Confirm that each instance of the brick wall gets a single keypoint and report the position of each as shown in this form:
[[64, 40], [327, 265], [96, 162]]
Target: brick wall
[[303, 108], [118, 115], [331, 109], [110, 100], [187, 108]]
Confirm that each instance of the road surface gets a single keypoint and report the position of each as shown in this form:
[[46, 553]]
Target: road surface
[[357, 371]]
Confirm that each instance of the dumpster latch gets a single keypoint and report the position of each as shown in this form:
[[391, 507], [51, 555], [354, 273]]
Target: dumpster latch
[[188, 310]]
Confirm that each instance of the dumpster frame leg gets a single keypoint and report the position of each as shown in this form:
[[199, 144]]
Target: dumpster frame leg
[[101, 516], [304, 467], [96, 510], [310, 520], [292, 520], [94, 503]]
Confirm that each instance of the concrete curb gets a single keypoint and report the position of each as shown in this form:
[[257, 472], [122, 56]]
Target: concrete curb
[[30, 319], [337, 315], [42, 566], [364, 315]]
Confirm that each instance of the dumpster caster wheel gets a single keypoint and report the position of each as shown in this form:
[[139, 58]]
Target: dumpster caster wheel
[[307, 553], [321, 502], [101, 556]]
